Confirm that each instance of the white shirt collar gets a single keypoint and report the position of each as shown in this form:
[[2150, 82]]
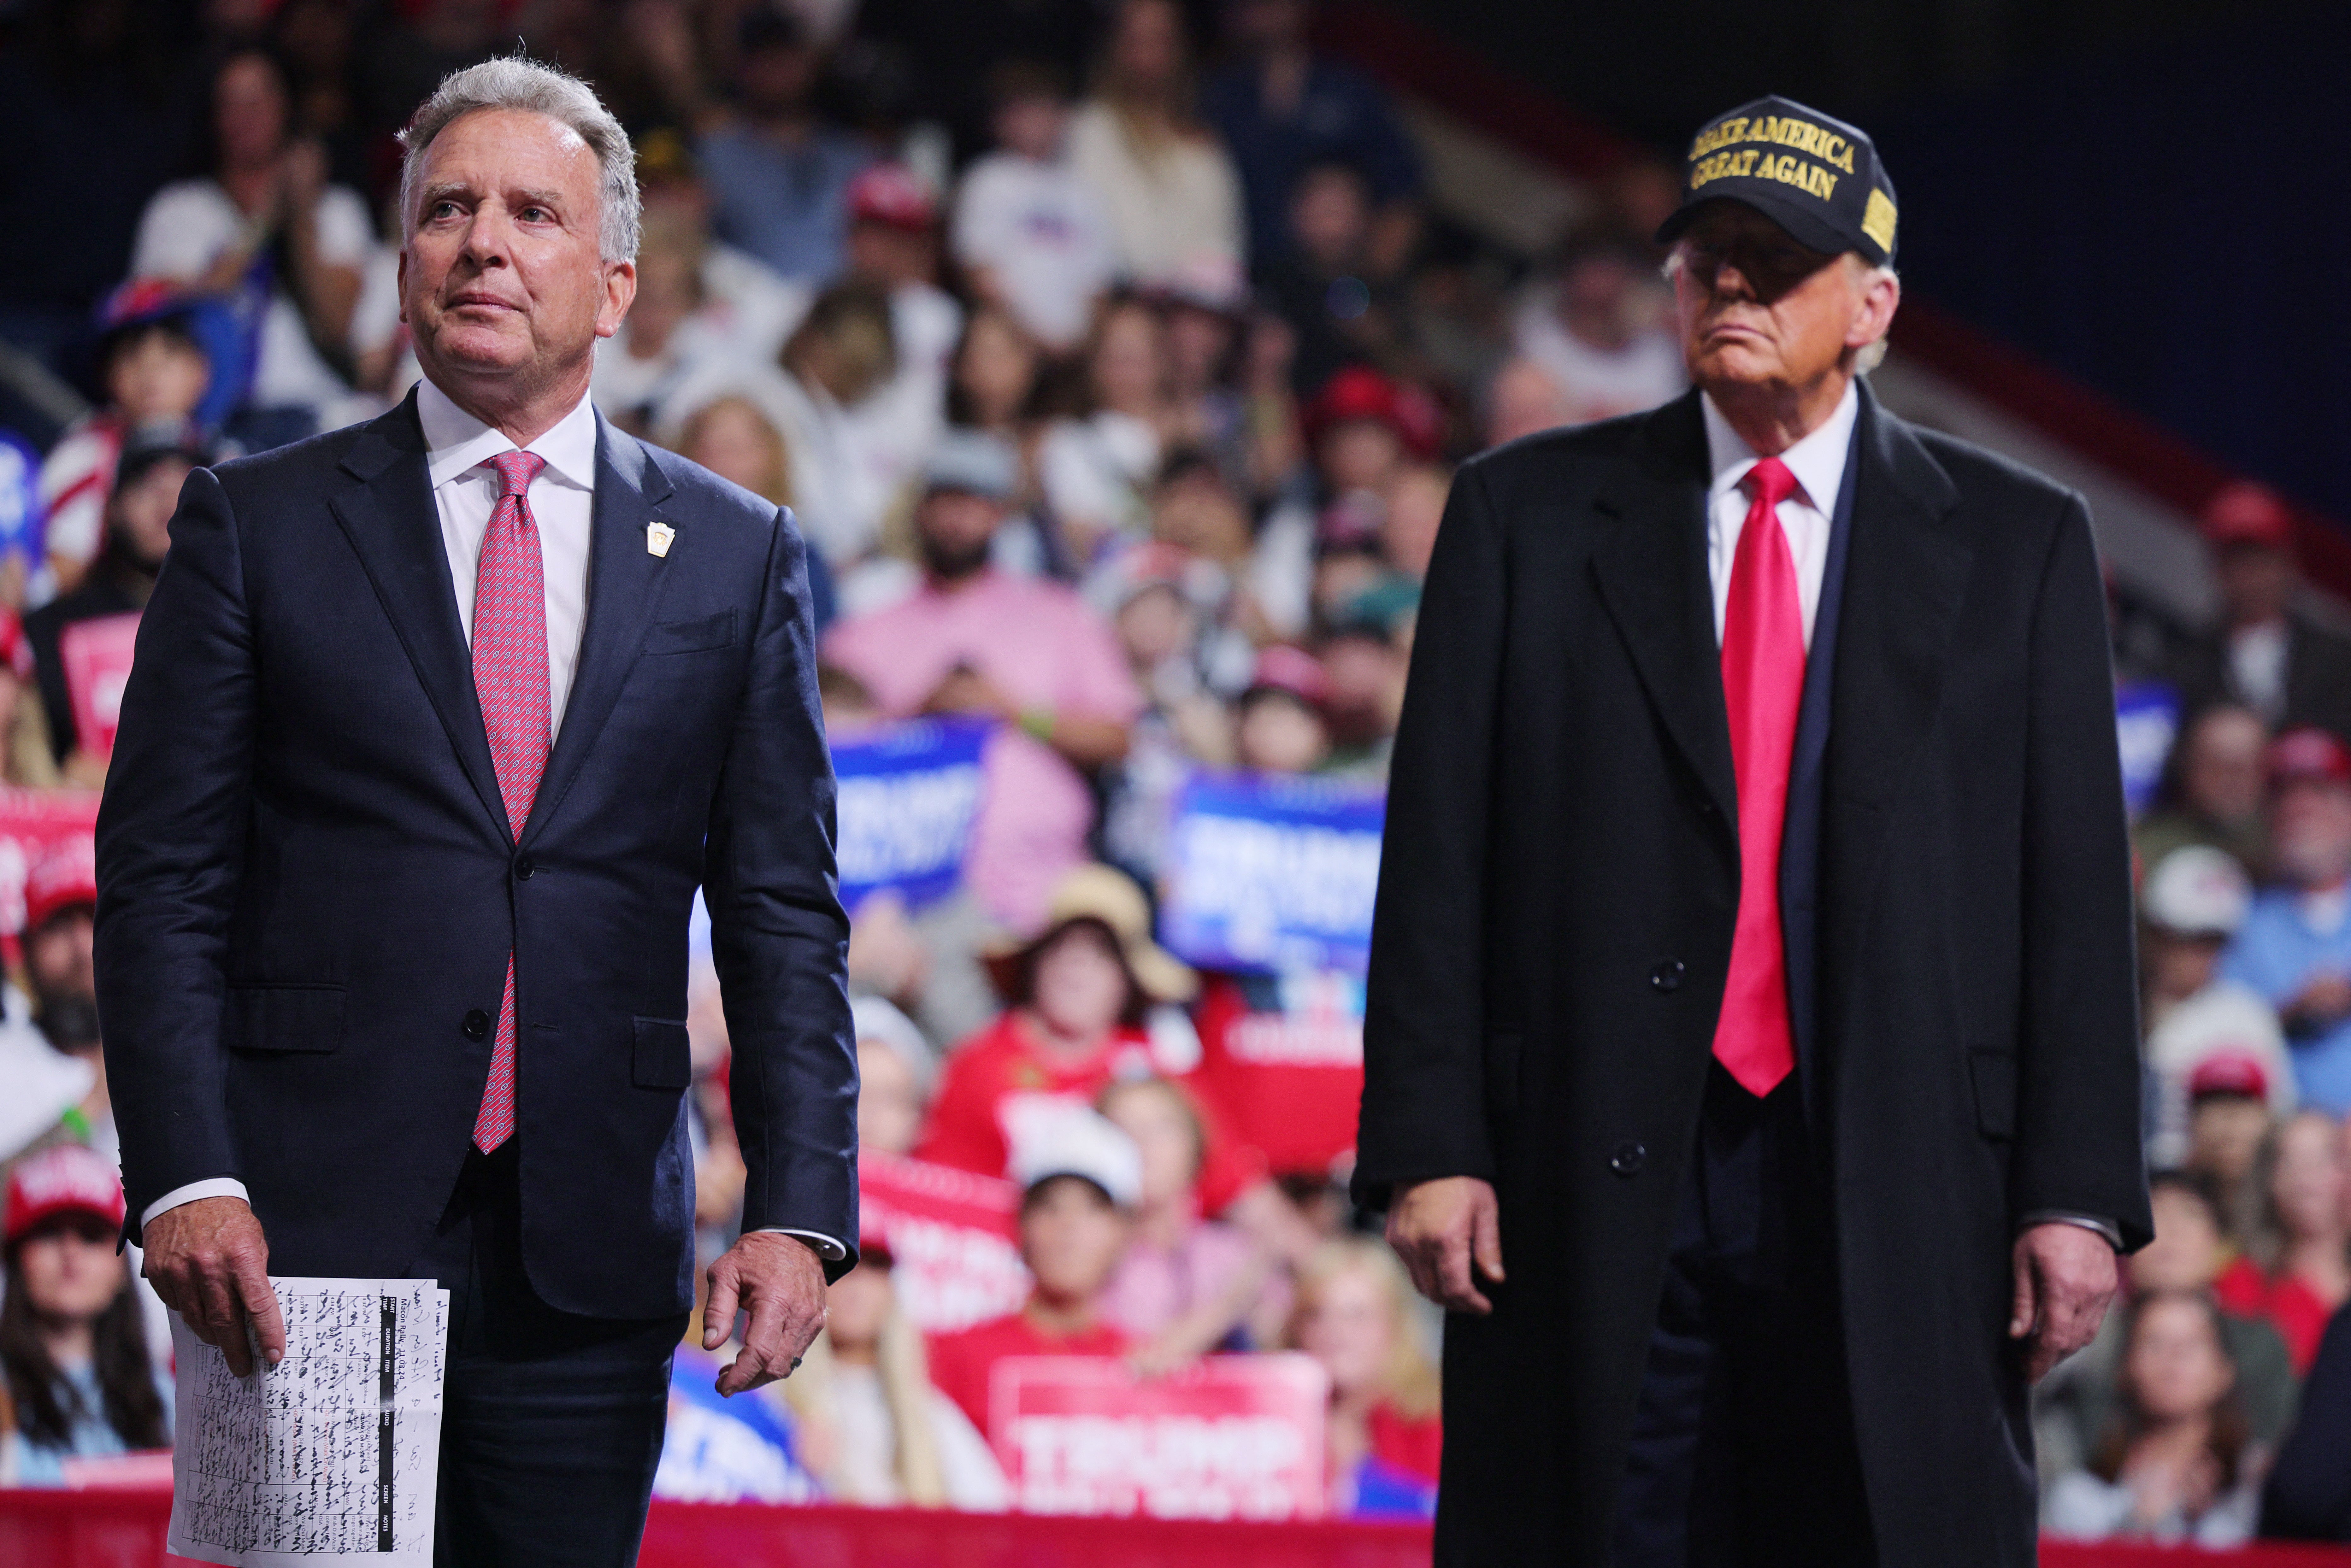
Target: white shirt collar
[[456, 443], [1817, 461]]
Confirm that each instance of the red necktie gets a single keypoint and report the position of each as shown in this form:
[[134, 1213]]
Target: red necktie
[[510, 674], [1763, 687]]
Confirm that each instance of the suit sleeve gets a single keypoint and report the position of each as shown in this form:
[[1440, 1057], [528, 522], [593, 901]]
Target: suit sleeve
[[778, 934], [1424, 1081], [170, 849], [2078, 1132]]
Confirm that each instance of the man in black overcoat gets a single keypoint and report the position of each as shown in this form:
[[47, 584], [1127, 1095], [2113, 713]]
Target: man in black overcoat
[[1752, 966]]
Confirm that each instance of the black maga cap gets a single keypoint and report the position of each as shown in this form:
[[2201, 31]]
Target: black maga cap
[[1816, 177]]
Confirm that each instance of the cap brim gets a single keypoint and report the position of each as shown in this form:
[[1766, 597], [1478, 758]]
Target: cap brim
[[1806, 226]]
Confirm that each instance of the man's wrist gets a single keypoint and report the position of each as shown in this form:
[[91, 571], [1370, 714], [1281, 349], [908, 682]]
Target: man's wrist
[[817, 1241], [2112, 1232], [215, 1186]]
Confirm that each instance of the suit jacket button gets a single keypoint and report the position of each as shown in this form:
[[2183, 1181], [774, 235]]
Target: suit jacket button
[[1627, 1159], [526, 868], [1667, 976], [478, 1025]]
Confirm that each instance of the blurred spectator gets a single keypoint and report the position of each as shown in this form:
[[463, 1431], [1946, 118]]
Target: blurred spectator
[[2202, 1031], [1206, 311], [2177, 1465], [1362, 427], [1366, 654], [2295, 947], [734, 440], [1029, 653], [1077, 999], [668, 331], [1283, 726], [1523, 400], [779, 177], [750, 1448], [896, 1073], [27, 760], [72, 1344], [154, 372], [2215, 791], [1283, 109], [138, 533], [898, 1441], [2301, 1269], [265, 221], [1415, 506], [1030, 235], [2308, 1497], [1354, 1315], [1081, 1179], [1187, 1283], [757, 305], [2262, 654], [1097, 467], [2230, 1118], [1249, 588], [1169, 188], [894, 246], [1597, 329], [1323, 283], [60, 904], [994, 386], [2073, 1408], [1165, 602]]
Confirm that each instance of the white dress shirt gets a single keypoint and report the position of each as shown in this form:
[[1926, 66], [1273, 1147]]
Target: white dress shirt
[[1817, 461], [458, 449]]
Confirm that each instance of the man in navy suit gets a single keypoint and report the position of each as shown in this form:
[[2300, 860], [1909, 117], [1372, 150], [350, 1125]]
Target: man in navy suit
[[436, 724]]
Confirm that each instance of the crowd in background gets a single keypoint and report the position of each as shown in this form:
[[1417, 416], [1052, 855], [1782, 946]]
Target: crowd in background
[[1113, 361]]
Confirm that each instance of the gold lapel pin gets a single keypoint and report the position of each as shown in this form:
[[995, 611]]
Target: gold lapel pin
[[657, 537]]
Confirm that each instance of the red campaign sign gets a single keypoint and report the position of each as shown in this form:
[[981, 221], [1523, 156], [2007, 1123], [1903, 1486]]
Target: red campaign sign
[[32, 822], [1289, 1073], [1231, 1437], [953, 1235], [97, 658]]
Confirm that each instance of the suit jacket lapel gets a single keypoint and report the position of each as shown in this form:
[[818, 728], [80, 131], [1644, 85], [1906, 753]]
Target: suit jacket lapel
[[624, 581], [1905, 583], [391, 520], [1652, 578]]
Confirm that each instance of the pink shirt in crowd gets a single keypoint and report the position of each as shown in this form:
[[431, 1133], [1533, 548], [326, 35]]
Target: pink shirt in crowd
[[1042, 647]]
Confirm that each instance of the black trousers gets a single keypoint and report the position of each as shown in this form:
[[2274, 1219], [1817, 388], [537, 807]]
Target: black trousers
[[551, 1422], [1742, 1452]]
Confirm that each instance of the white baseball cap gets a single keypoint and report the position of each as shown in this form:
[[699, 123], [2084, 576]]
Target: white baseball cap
[[2196, 890], [1072, 1140]]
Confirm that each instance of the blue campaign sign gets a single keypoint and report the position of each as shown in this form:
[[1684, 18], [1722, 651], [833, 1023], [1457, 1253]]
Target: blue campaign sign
[[1273, 875], [20, 498], [2147, 719], [909, 793]]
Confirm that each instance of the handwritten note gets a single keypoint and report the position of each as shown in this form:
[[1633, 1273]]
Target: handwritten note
[[333, 1452]]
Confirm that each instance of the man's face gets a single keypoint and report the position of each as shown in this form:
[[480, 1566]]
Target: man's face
[[2310, 831], [2222, 773], [160, 376], [58, 956], [2256, 582], [248, 111], [1070, 1237], [955, 529], [777, 79], [502, 279], [140, 513], [1760, 311]]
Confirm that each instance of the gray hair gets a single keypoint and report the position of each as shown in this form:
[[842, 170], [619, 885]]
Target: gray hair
[[534, 89]]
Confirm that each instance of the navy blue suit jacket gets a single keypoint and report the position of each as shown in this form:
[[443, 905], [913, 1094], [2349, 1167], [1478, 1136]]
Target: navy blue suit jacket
[[308, 887]]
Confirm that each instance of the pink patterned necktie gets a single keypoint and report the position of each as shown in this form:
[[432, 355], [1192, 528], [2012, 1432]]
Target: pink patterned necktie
[[1764, 688], [510, 674]]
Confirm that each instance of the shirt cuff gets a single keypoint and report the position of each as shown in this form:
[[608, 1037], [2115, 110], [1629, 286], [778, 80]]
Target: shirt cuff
[[218, 1187], [828, 1249], [2105, 1228]]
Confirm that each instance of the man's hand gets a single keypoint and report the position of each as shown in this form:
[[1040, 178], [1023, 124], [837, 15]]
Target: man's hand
[[2065, 1275], [778, 1279], [210, 1263], [1440, 1228]]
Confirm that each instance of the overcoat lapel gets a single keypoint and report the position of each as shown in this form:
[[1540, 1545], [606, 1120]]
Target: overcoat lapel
[[624, 583], [1652, 578], [1905, 583], [390, 518]]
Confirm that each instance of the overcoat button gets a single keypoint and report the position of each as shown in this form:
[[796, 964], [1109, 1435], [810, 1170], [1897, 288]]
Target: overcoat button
[[526, 868], [1627, 1158], [1667, 976], [478, 1025]]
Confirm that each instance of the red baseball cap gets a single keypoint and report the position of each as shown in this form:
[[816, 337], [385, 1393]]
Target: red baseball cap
[[2231, 1070], [1358, 392], [2309, 754], [69, 1178], [889, 193], [2244, 512], [64, 876], [1293, 672]]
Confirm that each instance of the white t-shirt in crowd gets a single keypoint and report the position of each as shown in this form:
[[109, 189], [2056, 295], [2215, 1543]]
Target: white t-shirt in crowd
[[1170, 210], [1598, 383], [868, 1471], [1097, 471], [183, 231], [1039, 228]]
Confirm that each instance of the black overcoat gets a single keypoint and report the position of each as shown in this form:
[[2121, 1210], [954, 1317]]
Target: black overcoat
[[1556, 912]]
